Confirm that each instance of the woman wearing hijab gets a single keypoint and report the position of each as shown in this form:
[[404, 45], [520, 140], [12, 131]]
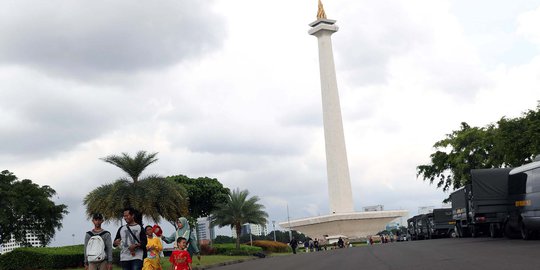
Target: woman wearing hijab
[[185, 232]]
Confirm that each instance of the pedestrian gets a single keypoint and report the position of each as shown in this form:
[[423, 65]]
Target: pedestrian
[[131, 238], [97, 246], [316, 244], [153, 248], [183, 230], [311, 245], [340, 243], [306, 244], [294, 244], [180, 258]]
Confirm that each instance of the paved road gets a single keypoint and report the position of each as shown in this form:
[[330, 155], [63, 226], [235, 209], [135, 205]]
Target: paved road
[[439, 254]]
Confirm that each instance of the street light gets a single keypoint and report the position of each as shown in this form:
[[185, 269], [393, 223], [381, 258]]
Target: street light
[[289, 220], [250, 237], [274, 226]]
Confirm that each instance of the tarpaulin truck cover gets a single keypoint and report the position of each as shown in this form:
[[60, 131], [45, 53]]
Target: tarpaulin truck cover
[[490, 184]]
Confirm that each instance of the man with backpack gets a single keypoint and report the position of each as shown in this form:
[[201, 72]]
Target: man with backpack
[[97, 247], [131, 238]]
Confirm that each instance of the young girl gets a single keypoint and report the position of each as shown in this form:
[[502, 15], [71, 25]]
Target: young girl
[[180, 259], [153, 247]]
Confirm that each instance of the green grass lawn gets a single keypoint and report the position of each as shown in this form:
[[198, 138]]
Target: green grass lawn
[[205, 260]]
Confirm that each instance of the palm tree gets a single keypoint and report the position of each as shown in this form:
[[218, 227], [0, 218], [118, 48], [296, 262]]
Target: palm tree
[[154, 196], [239, 210], [132, 166]]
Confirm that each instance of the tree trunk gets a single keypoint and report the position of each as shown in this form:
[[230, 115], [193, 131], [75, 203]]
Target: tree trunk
[[238, 232]]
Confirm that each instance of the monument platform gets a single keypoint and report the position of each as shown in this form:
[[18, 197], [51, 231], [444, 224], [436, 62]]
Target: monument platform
[[352, 225]]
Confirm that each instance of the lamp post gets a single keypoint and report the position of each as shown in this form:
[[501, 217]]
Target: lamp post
[[289, 220], [250, 236], [274, 227]]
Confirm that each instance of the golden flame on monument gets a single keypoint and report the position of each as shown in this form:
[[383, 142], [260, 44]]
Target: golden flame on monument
[[320, 12]]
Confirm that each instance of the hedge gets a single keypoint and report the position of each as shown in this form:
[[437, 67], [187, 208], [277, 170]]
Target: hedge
[[46, 258], [272, 246], [207, 250], [230, 249]]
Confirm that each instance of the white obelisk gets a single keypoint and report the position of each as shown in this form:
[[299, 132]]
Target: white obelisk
[[339, 183]]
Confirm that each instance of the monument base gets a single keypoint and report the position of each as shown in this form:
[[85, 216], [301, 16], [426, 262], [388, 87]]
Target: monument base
[[353, 225]]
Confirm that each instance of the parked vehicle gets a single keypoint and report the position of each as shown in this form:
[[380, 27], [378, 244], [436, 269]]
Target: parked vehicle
[[482, 207], [412, 225], [524, 194], [422, 227], [441, 223]]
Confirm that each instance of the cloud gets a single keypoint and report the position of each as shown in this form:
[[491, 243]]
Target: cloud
[[84, 38], [527, 23], [395, 41]]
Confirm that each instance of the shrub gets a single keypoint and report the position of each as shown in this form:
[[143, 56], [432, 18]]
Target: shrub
[[46, 258], [272, 246], [43, 258], [230, 249], [207, 250]]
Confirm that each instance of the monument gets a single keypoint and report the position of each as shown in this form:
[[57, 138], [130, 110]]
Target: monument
[[342, 220]]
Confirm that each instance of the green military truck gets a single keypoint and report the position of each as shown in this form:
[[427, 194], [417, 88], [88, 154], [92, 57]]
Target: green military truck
[[482, 207]]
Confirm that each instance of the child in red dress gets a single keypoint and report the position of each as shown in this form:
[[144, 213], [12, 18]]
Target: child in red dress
[[180, 259]]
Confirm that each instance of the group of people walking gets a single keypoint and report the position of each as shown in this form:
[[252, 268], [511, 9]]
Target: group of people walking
[[311, 245], [140, 248]]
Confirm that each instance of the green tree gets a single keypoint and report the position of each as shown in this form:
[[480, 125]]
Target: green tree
[[283, 236], [462, 150], [204, 194], [517, 140], [154, 196], [133, 166], [237, 210], [28, 208], [510, 142], [223, 239]]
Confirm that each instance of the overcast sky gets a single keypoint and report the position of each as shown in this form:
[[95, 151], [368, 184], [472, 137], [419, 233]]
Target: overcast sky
[[230, 89]]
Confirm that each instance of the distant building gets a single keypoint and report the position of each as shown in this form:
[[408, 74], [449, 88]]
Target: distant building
[[205, 232], [446, 205], [392, 225], [255, 229], [12, 244], [259, 230], [373, 208], [422, 210]]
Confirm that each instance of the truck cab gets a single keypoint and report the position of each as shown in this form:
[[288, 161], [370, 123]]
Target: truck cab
[[524, 194]]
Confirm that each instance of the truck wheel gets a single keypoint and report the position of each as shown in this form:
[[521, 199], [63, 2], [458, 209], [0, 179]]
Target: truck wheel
[[525, 233], [493, 230], [509, 232], [458, 232], [474, 231]]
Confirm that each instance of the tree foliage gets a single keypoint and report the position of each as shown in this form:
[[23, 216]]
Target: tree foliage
[[204, 194], [27, 208], [510, 142], [237, 210], [133, 166], [153, 196]]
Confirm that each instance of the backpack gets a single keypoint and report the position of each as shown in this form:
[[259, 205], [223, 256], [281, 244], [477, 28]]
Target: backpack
[[95, 249]]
